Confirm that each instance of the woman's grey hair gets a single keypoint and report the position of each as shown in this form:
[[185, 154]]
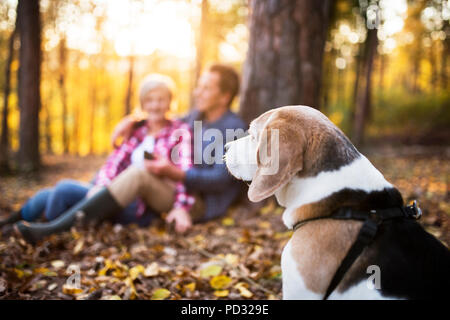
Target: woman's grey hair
[[153, 81]]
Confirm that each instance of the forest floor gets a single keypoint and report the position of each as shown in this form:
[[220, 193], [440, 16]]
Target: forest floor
[[235, 257]]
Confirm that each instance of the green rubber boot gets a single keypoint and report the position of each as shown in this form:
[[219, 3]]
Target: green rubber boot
[[99, 207]]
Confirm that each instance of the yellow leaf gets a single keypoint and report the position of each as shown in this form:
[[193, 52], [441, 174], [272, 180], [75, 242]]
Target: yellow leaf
[[221, 293], [264, 225], [199, 238], [130, 285], [19, 273], [125, 256], [228, 222], [71, 290], [268, 208], [278, 211], [281, 235], [78, 246], [160, 294], [75, 234], [210, 271], [41, 270], [242, 287], [189, 286], [119, 273], [220, 282], [136, 271]]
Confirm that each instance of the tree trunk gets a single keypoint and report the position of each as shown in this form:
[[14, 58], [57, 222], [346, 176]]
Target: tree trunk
[[29, 81], [363, 98], [202, 39], [63, 92], [129, 93], [4, 140], [76, 113], [93, 97], [284, 60]]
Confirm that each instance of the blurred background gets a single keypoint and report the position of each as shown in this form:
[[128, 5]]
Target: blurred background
[[70, 69]]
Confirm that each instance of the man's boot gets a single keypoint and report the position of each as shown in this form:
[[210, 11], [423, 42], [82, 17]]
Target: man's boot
[[13, 218], [100, 206]]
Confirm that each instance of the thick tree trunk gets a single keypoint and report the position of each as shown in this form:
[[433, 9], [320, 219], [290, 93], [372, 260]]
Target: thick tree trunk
[[4, 140], [29, 81], [363, 98], [284, 60]]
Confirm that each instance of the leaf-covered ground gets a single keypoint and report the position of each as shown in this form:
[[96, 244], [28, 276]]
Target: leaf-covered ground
[[236, 257]]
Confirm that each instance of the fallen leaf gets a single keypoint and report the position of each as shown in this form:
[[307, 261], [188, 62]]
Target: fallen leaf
[[58, 264], [136, 271], [71, 290], [211, 271], [264, 225], [228, 222], [160, 294], [221, 293], [242, 287], [52, 286], [78, 247], [190, 286], [152, 270], [220, 282], [232, 259]]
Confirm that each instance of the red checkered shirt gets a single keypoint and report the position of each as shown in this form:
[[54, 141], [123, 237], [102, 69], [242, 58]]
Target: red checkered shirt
[[176, 134]]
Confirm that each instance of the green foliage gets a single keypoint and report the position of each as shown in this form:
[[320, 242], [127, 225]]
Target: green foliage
[[397, 111]]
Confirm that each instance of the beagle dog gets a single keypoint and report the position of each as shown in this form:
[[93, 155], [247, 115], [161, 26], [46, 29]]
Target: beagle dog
[[318, 171]]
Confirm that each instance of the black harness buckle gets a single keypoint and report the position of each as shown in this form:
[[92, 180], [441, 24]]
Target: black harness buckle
[[413, 211]]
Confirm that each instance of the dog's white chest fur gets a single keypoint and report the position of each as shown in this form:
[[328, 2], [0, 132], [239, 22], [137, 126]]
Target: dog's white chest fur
[[358, 175]]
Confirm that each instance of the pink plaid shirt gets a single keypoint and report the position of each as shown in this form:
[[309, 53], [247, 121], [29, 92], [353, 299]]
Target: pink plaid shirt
[[172, 142]]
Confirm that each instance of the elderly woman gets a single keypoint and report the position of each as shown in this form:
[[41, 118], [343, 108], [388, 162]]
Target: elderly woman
[[158, 140]]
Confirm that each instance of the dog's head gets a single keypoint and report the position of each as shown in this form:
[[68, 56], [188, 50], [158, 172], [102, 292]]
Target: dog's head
[[282, 143]]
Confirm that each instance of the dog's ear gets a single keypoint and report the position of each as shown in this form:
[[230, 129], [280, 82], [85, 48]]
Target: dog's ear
[[278, 159]]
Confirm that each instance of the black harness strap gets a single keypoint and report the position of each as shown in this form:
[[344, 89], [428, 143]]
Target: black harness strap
[[365, 236], [367, 233]]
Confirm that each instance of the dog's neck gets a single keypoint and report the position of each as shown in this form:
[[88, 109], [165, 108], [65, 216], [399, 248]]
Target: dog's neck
[[312, 197]]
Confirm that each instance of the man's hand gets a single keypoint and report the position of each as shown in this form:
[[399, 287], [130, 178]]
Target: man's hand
[[182, 219], [164, 168], [123, 129]]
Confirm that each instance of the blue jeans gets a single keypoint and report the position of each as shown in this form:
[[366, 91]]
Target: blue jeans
[[52, 202]]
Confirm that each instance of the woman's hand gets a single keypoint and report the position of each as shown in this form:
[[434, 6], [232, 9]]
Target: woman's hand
[[182, 219], [163, 167], [123, 130]]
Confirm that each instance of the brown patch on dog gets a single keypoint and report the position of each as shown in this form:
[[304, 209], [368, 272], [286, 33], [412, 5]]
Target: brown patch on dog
[[319, 248], [290, 158]]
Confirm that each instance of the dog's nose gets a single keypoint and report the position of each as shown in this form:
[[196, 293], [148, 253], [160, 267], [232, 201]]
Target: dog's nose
[[227, 146]]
